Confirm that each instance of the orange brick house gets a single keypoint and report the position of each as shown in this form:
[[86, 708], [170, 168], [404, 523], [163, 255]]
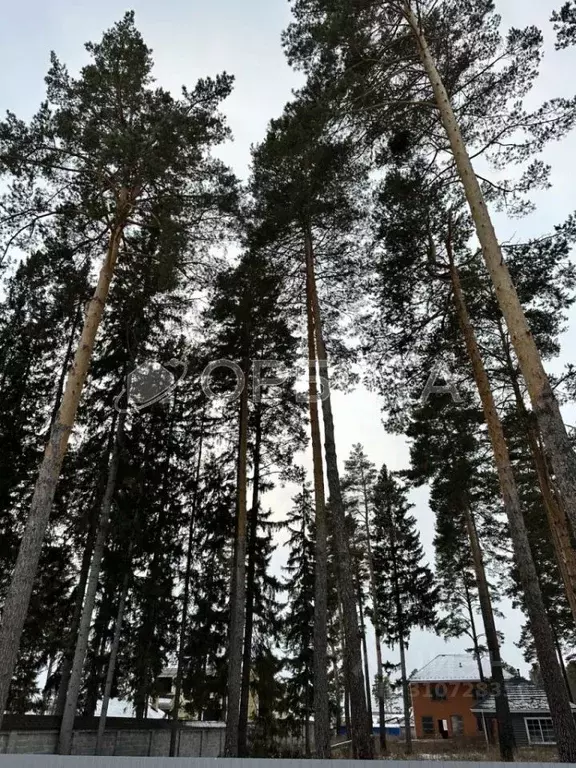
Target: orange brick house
[[443, 694]]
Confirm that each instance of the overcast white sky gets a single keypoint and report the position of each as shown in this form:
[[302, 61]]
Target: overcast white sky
[[192, 38]]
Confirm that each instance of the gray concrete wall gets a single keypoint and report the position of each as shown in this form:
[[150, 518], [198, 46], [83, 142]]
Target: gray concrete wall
[[125, 742]]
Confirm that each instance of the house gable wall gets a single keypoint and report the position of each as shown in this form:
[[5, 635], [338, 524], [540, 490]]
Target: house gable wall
[[459, 701]]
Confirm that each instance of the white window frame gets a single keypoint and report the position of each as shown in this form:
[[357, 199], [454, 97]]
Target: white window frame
[[538, 720]]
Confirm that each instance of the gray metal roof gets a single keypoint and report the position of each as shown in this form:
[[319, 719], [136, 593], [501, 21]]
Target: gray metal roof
[[522, 697], [451, 667]]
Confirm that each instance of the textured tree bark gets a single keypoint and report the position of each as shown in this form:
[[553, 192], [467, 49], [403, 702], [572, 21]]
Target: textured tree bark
[[563, 549], [405, 698], [250, 581], [112, 662], [66, 364], [562, 540], [564, 725], [238, 586], [186, 596], [362, 742], [70, 638], [473, 631], [95, 675], [562, 664], [364, 646], [67, 725], [18, 596], [45, 691], [544, 402], [337, 690], [381, 699], [505, 729], [307, 731], [148, 627], [347, 719], [320, 659]]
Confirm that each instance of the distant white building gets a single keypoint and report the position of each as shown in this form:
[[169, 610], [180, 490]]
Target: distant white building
[[119, 708]]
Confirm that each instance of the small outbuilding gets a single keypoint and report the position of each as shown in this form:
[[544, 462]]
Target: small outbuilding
[[529, 710]]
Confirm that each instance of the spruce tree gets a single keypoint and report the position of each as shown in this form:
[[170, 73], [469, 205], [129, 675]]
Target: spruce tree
[[359, 482], [299, 617], [458, 589], [204, 685], [248, 326], [406, 592]]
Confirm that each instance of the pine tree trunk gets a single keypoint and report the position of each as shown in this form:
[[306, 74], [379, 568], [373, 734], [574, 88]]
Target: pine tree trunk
[[65, 365], [473, 631], [20, 590], [238, 587], [94, 677], [560, 533], [250, 584], [375, 620], [564, 725], [405, 698], [148, 627], [364, 646], [112, 662], [320, 658], [562, 664], [72, 635], [70, 639], [186, 596], [45, 692], [307, 732], [347, 717], [362, 742], [67, 725], [381, 699], [347, 721], [544, 402], [505, 729], [337, 691], [559, 524]]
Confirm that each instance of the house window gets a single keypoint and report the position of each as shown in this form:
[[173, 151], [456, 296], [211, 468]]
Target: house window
[[540, 730], [428, 726], [438, 692], [457, 725]]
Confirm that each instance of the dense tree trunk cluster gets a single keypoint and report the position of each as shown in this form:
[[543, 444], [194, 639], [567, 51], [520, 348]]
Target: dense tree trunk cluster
[[141, 430]]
